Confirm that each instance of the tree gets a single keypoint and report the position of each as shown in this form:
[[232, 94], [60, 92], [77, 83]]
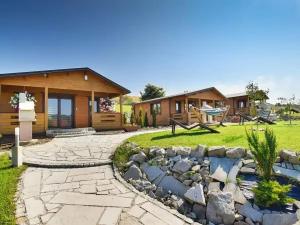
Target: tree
[[141, 118], [146, 121], [288, 103], [151, 91], [154, 114], [132, 118], [255, 94]]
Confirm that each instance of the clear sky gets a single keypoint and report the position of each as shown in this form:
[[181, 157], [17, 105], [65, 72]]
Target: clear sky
[[177, 44]]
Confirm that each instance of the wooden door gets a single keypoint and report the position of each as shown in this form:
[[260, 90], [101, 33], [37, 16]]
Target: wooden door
[[81, 111]]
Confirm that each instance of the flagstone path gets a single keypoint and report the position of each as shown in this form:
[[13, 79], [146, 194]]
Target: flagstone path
[[87, 196]]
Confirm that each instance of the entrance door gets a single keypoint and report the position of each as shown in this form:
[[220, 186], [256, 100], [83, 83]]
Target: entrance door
[[60, 112]]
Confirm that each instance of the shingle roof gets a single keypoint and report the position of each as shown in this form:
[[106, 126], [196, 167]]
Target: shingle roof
[[64, 70]]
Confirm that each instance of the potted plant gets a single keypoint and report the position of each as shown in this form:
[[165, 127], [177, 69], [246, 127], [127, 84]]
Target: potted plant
[[14, 100]]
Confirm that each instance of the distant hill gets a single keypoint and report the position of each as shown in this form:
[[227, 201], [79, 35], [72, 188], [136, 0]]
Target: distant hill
[[129, 100]]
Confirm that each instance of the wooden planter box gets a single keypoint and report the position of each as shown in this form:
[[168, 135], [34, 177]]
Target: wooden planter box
[[131, 128]]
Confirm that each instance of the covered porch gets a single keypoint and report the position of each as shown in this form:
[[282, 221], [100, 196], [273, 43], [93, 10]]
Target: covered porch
[[180, 109], [60, 108]]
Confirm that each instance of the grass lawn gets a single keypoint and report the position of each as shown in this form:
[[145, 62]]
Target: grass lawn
[[8, 185], [288, 136]]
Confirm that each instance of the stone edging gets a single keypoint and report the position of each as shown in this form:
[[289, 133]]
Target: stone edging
[[68, 165], [154, 201]]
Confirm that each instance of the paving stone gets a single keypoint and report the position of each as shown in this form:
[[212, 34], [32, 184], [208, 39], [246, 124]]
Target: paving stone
[[110, 216], [90, 199], [34, 207], [164, 215], [136, 211], [149, 219], [77, 215]]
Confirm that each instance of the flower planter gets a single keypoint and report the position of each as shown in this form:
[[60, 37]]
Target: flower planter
[[131, 128]]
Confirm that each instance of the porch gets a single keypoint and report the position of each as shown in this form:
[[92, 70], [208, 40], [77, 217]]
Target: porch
[[58, 108], [180, 109]]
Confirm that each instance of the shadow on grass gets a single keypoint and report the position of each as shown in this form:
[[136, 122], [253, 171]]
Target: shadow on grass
[[167, 136]]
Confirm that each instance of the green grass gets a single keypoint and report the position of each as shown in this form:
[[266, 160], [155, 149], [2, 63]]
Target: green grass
[[288, 136], [9, 177]]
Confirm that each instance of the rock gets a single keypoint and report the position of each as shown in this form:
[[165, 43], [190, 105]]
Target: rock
[[199, 152], [249, 221], [160, 152], [196, 168], [139, 157], [279, 219], [133, 173], [220, 208], [235, 153], [183, 151], [169, 183], [297, 167], [289, 166], [152, 172], [182, 166], [187, 182], [170, 152], [234, 171], [287, 172], [213, 187], [295, 159], [239, 217], [237, 194], [196, 195], [217, 151], [240, 223], [289, 156], [297, 204], [247, 170], [248, 211], [196, 177], [220, 167], [200, 211]]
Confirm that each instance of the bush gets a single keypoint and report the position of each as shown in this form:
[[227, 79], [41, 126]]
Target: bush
[[271, 193], [264, 152], [132, 118], [122, 155], [141, 118], [146, 121]]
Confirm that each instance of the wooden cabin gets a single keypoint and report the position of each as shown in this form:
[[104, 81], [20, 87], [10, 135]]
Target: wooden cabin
[[65, 98], [178, 106], [238, 103]]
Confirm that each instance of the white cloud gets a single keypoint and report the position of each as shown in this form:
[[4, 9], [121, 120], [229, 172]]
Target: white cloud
[[285, 86]]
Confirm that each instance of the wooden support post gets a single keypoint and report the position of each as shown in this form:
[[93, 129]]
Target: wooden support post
[[46, 108], [121, 110], [186, 104], [92, 107]]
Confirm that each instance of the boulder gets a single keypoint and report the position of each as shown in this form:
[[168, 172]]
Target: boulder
[[234, 171], [213, 187], [216, 151], [220, 208], [183, 151], [160, 152], [295, 174], [199, 152], [133, 173], [152, 172], [248, 211], [182, 166], [235, 153], [170, 152], [279, 219], [196, 195], [236, 192], [240, 223], [295, 159], [196, 168], [247, 170], [139, 157], [285, 155], [220, 167], [200, 211], [169, 183]]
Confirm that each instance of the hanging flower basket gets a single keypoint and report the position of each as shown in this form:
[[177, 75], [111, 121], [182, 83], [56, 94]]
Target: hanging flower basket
[[14, 100]]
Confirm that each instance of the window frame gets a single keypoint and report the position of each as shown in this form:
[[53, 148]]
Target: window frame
[[152, 108]]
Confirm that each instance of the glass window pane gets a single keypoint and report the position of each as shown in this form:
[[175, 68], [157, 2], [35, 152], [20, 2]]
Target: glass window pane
[[52, 112]]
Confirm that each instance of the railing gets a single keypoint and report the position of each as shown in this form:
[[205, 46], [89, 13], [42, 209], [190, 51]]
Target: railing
[[109, 120], [9, 121]]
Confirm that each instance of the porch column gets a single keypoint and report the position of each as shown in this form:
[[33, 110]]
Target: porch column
[[186, 105], [121, 110], [92, 107], [46, 108]]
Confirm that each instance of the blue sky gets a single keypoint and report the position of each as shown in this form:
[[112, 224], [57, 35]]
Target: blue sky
[[177, 44]]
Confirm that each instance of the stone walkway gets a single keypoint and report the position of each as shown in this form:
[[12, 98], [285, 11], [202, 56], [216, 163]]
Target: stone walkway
[[84, 196], [89, 196], [84, 151]]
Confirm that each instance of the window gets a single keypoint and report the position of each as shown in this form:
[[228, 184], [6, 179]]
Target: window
[[178, 107], [156, 107], [241, 104]]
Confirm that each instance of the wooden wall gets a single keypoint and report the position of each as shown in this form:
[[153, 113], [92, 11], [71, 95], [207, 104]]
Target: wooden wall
[[107, 121], [81, 111]]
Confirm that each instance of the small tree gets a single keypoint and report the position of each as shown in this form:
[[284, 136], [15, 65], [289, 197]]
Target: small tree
[[141, 118], [288, 102], [151, 91], [125, 116], [154, 115], [132, 118], [264, 152], [255, 94], [146, 121]]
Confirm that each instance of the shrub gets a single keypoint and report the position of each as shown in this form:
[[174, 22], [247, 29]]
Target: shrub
[[122, 155], [132, 118], [264, 152], [154, 114], [271, 193], [125, 116], [146, 121], [141, 118]]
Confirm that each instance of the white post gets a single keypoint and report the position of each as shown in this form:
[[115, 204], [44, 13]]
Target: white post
[[17, 150]]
